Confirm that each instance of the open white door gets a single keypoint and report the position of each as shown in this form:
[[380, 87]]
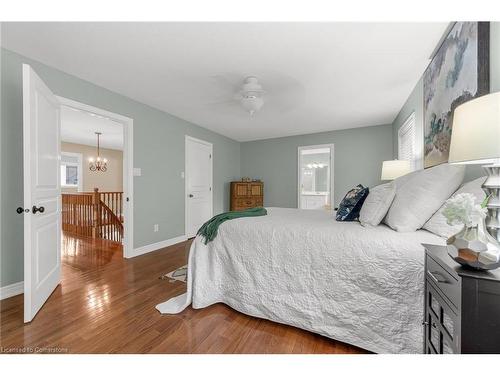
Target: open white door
[[199, 204], [42, 192]]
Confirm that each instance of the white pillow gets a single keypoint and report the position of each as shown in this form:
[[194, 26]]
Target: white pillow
[[421, 195], [437, 223], [377, 204]]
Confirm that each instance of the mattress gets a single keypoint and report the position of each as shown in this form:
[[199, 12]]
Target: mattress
[[363, 286]]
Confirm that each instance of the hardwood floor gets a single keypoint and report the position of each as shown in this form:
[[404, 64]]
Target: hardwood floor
[[105, 304]]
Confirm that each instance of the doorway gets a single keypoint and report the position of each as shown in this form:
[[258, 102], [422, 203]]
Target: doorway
[[315, 177], [114, 193], [198, 184]]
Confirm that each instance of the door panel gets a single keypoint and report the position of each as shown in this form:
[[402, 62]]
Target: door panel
[[242, 190], [46, 260], [255, 189], [46, 163], [199, 206], [42, 230]]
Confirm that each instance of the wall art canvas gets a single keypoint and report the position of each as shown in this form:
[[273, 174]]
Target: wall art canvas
[[458, 72]]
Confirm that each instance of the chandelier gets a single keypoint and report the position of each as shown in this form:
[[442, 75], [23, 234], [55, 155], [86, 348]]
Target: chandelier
[[98, 164]]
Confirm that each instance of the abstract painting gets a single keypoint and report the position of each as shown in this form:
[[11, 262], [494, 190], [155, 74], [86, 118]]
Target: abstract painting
[[458, 72]]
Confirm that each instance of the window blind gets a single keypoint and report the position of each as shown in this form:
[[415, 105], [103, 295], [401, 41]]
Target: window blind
[[406, 140]]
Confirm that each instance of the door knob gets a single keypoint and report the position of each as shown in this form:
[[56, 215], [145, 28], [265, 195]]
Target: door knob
[[191, 195], [20, 210], [36, 209]]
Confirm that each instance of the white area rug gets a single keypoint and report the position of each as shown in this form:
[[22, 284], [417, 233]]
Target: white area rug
[[180, 274]]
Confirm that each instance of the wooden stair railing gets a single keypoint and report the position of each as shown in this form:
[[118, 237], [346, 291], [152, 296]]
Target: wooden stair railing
[[96, 214], [78, 214], [113, 199], [111, 227]]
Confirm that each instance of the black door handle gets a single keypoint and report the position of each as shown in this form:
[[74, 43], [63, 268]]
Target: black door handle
[[191, 195], [20, 210], [36, 209]]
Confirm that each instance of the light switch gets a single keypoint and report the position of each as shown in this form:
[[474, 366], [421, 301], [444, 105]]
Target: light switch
[[182, 174], [137, 172]]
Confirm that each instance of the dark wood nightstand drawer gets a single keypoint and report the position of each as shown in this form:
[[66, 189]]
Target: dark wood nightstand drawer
[[443, 281], [462, 306]]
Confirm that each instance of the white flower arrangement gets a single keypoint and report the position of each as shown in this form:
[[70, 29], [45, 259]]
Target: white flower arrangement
[[462, 209]]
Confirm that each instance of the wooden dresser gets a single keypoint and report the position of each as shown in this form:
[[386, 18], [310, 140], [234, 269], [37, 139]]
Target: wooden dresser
[[246, 195], [462, 306]]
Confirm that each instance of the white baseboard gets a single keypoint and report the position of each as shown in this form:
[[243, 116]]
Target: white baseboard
[[11, 290], [157, 246]]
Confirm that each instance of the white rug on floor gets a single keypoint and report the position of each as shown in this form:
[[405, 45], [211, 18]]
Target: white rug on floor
[[180, 274]]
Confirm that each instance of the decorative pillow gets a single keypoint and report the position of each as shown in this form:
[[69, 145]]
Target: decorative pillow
[[377, 204], [351, 204], [421, 195], [437, 223]]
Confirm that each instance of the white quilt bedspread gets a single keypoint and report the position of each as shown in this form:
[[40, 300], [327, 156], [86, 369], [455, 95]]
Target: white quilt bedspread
[[362, 286]]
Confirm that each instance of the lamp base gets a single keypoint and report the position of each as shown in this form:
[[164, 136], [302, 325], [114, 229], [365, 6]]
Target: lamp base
[[492, 189]]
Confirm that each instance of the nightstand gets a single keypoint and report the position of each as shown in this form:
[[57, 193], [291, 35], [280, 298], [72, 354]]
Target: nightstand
[[461, 306]]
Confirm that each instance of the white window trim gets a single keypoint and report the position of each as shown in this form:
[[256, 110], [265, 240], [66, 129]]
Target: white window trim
[[410, 121], [79, 164]]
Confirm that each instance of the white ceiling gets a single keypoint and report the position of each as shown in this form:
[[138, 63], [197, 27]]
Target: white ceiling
[[318, 76], [80, 127]]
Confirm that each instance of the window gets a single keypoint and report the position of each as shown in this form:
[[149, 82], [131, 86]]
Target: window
[[71, 170], [407, 149], [69, 175]]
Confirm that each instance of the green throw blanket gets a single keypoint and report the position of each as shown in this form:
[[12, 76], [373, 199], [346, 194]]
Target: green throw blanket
[[209, 229]]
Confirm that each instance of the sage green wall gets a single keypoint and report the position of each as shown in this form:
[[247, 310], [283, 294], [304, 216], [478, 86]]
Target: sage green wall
[[158, 150], [415, 101], [358, 159]]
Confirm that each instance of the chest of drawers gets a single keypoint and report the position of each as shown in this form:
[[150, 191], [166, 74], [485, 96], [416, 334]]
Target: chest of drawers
[[246, 195], [462, 306]]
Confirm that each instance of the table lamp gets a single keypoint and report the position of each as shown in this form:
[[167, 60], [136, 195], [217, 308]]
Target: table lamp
[[392, 169], [475, 139]]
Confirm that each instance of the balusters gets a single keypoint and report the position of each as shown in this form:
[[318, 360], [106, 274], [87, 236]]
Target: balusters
[[96, 214]]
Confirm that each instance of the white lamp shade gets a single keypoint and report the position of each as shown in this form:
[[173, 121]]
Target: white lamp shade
[[475, 136], [392, 169]]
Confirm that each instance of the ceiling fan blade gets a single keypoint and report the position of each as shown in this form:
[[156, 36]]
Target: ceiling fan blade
[[223, 82]]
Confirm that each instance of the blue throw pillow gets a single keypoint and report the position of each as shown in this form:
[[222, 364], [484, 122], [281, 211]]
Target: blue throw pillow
[[351, 205]]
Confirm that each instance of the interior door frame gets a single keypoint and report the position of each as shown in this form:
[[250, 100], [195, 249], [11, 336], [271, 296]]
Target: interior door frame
[[331, 146], [188, 138], [128, 167]]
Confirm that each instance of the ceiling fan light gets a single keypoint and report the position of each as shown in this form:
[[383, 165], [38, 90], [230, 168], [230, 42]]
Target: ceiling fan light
[[252, 103]]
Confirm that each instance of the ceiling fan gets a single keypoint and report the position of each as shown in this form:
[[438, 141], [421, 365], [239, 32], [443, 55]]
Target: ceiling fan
[[248, 94], [252, 95]]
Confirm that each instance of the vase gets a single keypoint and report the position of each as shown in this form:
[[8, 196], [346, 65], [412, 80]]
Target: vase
[[474, 247]]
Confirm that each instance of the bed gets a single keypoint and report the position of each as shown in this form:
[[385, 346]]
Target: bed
[[363, 286]]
